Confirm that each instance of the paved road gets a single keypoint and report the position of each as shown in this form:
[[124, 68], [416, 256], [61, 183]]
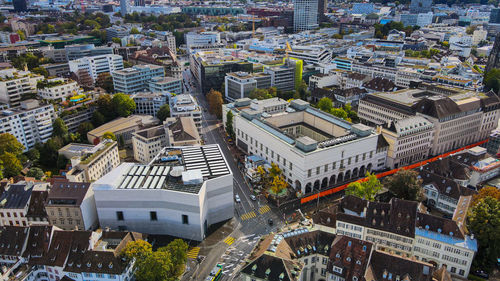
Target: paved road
[[252, 216]]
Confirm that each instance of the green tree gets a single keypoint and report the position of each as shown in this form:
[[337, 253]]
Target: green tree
[[491, 80], [484, 222], [9, 143], [123, 104], [178, 253], [59, 128], [484, 192], [366, 189], [83, 129], [11, 164], [36, 173], [41, 70], [33, 154], [163, 113], [139, 250], [229, 124], [105, 80], [49, 151], [156, 267], [134, 30], [109, 135], [22, 36], [325, 104], [116, 40], [98, 119], [406, 185], [278, 184], [261, 94]]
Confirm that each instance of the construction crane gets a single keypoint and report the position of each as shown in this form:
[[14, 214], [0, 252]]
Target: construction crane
[[287, 49]]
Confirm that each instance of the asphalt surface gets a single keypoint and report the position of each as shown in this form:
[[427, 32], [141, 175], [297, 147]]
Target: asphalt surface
[[251, 217]]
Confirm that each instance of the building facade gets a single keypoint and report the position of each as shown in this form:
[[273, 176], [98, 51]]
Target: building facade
[[135, 79], [16, 83], [305, 15], [166, 85], [93, 66], [58, 88]]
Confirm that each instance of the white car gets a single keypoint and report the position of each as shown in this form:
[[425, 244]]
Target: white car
[[253, 197], [237, 198]]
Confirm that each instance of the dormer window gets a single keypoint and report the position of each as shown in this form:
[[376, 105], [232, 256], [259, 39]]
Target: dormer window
[[337, 255], [89, 264], [354, 278], [348, 259], [110, 265], [358, 262], [99, 265]]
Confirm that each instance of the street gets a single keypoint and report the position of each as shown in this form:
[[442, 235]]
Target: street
[[251, 216]]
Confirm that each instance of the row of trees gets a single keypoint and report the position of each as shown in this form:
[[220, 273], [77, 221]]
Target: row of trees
[[345, 112], [382, 30], [74, 23], [32, 61], [165, 264], [422, 54], [273, 92]]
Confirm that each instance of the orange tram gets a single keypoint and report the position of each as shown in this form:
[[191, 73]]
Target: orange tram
[[388, 173]]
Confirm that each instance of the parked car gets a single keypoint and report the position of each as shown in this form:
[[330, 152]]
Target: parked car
[[270, 221], [253, 197], [237, 198]]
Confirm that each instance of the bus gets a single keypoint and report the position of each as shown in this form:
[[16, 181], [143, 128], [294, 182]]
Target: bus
[[215, 274]]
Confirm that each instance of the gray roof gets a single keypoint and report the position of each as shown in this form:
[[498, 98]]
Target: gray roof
[[16, 197]]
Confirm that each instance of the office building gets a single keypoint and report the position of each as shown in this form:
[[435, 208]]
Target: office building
[[30, 123], [58, 88], [116, 31], [181, 193], [49, 253], [315, 150], [210, 68], [74, 52], [460, 117], [124, 7], [122, 128], [185, 106], [420, 19], [305, 15], [198, 40], [409, 139], [148, 103], [398, 227], [362, 8], [166, 85], [139, 3], [20, 5], [176, 131], [16, 83], [135, 79], [495, 15], [93, 66], [14, 204], [71, 206], [240, 84], [90, 162], [420, 6], [73, 119]]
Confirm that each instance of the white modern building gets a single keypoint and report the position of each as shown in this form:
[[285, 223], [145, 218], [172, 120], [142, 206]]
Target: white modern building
[[30, 123], [240, 84], [148, 103], [311, 54], [186, 106], [58, 88], [16, 83], [197, 40], [96, 65], [166, 85], [305, 15], [315, 150], [181, 193], [135, 79]]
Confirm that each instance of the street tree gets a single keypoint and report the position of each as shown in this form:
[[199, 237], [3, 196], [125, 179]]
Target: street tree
[[123, 105], [325, 104], [11, 164], [229, 124], [484, 192], [83, 129], [215, 102], [278, 184], [98, 119], [484, 222], [105, 107], [178, 254], [163, 113], [366, 189], [139, 250], [405, 184], [156, 267]]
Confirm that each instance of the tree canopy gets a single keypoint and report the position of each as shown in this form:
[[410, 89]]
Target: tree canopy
[[59, 128], [405, 184], [366, 189], [163, 113], [491, 80], [105, 80], [123, 105], [484, 192], [229, 124], [215, 102], [9, 143]]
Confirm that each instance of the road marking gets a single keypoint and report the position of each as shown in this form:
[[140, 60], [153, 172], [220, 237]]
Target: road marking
[[264, 209], [229, 240], [193, 253], [248, 216]]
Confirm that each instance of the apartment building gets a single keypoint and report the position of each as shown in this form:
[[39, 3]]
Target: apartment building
[[311, 54], [409, 140], [14, 204], [74, 119], [460, 117], [93, 66], [122, 128], [283, 77], [398, 227], [58, 88], [135, 79], [30, 123], [240, 84], [48, 253], [90, 162], [166, 85], [181, 193], [14, 84], [315, 150], [71, 206], [185, 106], [76, 51], [148, 103], [176, 131]]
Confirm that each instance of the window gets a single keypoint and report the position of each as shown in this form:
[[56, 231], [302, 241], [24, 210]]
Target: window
[[305, 261], [323, 272], [119, 215], [185, 219], [325, 261], [61, 221], [317, 170], [152, 216], [461, 272]]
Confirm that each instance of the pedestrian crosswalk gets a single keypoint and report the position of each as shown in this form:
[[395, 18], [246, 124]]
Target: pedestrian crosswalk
[[229, 240], [264, 209], [248, 216], [193, 253]]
